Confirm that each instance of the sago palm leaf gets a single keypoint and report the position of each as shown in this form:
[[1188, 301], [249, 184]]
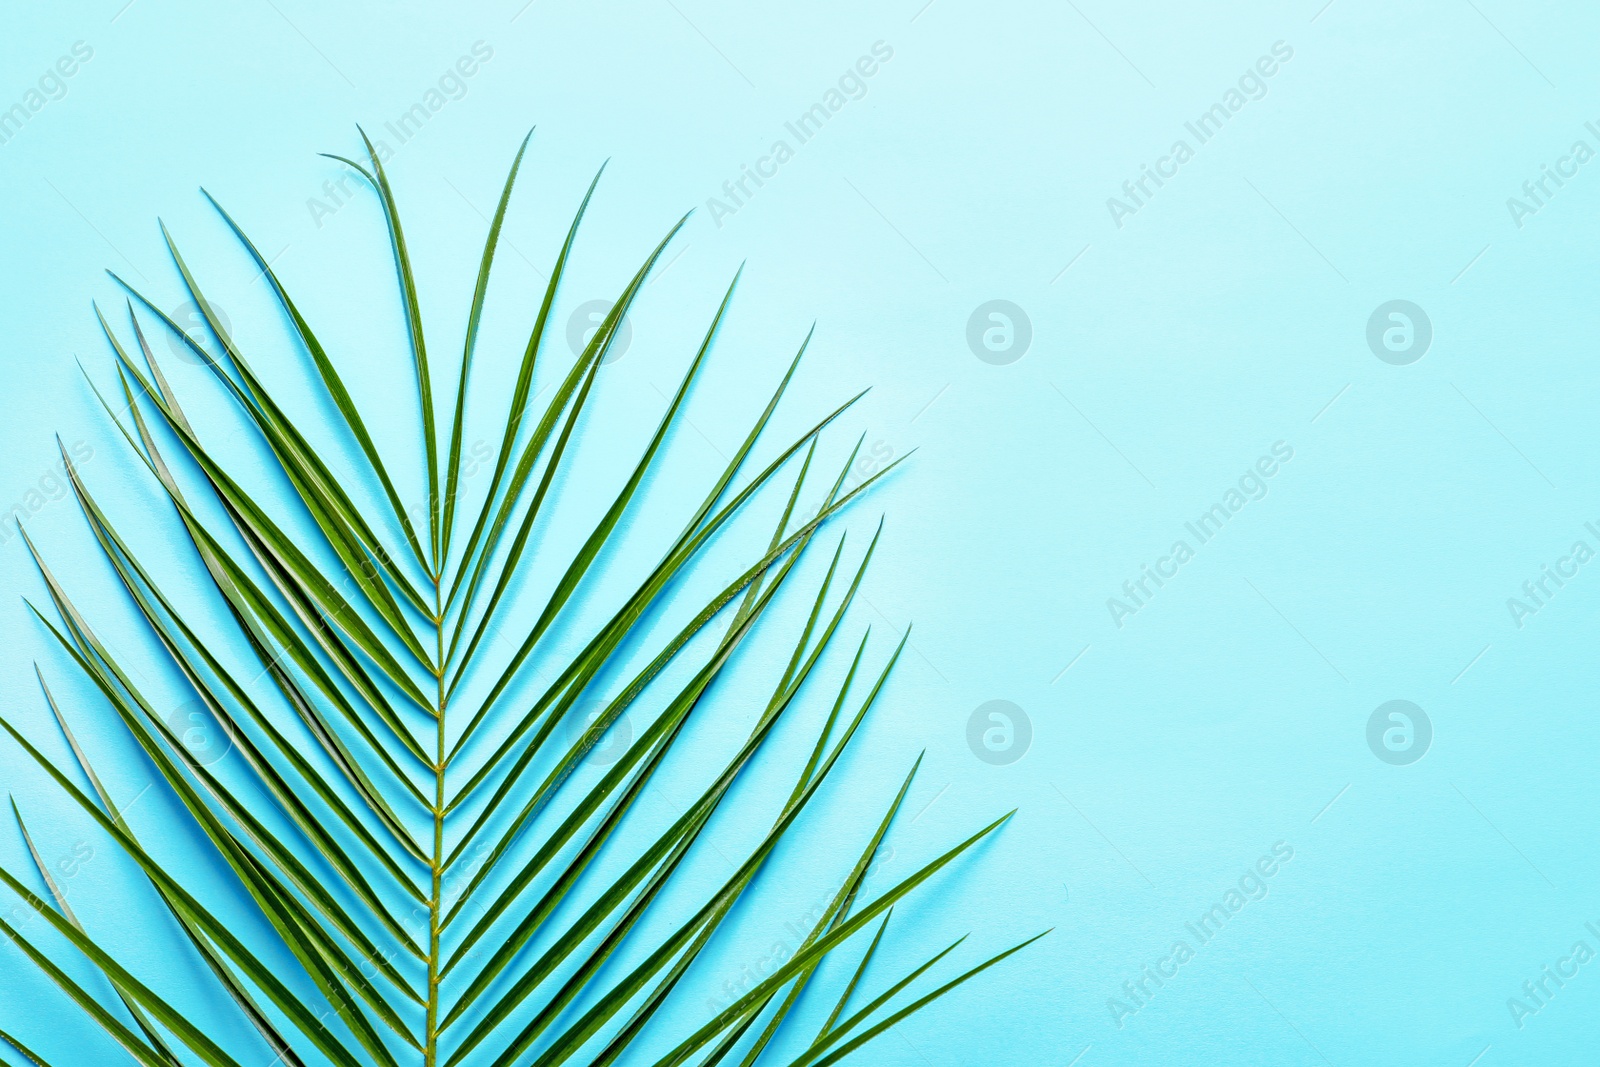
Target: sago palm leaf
[[402, 806]]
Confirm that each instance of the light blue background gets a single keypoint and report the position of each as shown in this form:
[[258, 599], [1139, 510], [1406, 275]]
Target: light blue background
[[1168, 354]]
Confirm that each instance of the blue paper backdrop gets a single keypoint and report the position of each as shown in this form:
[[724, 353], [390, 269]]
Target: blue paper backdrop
[[1305, 289]]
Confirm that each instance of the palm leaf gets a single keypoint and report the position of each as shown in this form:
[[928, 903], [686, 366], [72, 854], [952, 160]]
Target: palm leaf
[[443, 878]]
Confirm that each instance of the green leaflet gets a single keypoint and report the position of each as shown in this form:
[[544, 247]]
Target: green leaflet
[[910, 1009], [480, 291], [23, 1050]]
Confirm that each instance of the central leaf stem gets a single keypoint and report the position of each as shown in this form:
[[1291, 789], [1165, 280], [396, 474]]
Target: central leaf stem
[[436, 892]]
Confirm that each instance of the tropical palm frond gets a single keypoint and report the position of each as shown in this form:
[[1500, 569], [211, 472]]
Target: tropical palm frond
[[432, 874]]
